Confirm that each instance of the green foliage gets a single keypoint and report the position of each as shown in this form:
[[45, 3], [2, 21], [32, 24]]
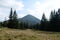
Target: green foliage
[[24, 25], [53, 24], [52, 20], [13, 20], [10, 21], [1, 24], [43, 22]]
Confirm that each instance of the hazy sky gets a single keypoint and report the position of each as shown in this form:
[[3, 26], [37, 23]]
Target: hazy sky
[[24, 7]]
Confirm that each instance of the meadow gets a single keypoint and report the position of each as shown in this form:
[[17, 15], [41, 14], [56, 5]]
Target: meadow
[[28, 34]]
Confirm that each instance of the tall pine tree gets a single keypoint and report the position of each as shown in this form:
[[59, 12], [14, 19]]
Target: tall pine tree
[[43, 22], [10, 21], [15, 20], [52, 20]]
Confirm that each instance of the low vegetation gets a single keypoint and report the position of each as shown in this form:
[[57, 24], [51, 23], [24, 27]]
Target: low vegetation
[[28, 34]]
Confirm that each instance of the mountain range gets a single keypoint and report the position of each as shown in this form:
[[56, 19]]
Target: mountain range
[[29, 19]]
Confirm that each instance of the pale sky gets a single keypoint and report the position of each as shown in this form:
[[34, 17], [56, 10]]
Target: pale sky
[[25, 7]]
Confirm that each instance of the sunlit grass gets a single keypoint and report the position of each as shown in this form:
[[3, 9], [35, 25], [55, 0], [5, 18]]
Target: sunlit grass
[[28, 34]]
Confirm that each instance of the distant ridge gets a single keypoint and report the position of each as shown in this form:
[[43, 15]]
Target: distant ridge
[[30, 19]]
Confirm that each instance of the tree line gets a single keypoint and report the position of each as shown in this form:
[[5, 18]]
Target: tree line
[[53, 24], [13, 21]]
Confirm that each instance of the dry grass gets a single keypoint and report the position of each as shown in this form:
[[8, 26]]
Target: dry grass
[[16, 34]]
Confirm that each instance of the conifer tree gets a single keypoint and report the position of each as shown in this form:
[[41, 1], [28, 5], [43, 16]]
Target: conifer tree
[[52, 20], [59, 11], [15, 20], [57, 22], [10, 21], [43, 22], [5, 23]]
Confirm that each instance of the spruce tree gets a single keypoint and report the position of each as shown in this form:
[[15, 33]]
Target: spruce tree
[[10, 21], [59, 17], [59, 11], [51, 18], [43, 22], [21, 25], [57, 22], [15, 20], [54, 21]]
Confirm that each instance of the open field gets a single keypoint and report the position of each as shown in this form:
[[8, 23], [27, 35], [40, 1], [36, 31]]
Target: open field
[[28, 34]]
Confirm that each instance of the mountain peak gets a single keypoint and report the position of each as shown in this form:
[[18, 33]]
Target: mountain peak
[[30, 19], [29, 15]]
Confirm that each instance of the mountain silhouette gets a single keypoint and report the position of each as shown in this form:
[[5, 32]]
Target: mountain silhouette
[[29, 19]]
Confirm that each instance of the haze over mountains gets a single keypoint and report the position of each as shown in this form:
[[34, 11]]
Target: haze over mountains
[[29, 19]]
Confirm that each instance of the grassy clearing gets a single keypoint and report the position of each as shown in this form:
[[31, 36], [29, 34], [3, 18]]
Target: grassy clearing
[[28, 34]]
